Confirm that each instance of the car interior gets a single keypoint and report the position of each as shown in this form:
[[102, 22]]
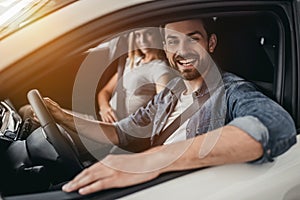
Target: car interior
[[249, 45]]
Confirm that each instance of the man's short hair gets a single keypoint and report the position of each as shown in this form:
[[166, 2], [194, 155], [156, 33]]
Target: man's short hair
[[209, 24]]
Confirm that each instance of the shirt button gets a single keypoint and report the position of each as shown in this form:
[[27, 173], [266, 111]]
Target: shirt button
[[188, 130], [269, 151]]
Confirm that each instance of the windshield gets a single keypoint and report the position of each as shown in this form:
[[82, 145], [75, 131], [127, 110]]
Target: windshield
[[15, 14]]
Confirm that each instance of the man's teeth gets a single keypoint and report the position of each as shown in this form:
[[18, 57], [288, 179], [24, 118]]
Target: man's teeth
[[187, 61]]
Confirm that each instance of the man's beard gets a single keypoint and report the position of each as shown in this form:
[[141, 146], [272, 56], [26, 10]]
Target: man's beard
[[190, 74]]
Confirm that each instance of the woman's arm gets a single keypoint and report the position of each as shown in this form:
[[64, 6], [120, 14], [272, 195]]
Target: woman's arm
[[106, 112]]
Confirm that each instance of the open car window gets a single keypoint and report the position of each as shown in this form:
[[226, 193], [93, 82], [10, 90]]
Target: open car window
[[248, 45]]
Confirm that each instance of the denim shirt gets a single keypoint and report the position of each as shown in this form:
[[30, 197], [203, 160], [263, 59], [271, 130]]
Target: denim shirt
[[233, 101]]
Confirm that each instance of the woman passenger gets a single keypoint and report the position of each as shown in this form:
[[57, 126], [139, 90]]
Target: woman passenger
[[146, 73]]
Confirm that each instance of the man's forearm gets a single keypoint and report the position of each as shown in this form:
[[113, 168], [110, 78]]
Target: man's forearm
[[92, 129], [225, 145]]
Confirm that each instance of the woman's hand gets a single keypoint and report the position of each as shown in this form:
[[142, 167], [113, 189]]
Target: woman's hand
[[108, 115]]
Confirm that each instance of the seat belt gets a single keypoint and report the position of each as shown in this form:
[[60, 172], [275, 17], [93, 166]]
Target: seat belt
[[120, 70], [188, 113], [120, 107]]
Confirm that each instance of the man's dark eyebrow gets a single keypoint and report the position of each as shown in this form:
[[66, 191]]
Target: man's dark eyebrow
[[189, 35], [194, 33]]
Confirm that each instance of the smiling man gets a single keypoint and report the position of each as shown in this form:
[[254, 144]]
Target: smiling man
[[232, 123], [186, 48]]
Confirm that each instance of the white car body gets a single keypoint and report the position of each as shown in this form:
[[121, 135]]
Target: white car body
[[278, 180]]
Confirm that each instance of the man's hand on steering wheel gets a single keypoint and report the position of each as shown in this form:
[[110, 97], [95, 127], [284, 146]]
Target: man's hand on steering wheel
[[43, 111]]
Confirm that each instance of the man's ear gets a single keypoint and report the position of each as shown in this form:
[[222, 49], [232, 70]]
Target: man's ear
[[212, 43]]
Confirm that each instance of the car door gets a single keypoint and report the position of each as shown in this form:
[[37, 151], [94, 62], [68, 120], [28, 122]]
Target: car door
[[260, 42]]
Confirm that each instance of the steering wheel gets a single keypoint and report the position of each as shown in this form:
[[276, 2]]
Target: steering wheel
[[53, 134]]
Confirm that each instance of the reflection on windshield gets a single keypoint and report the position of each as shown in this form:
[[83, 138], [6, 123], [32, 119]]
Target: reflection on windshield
[[14, 14]]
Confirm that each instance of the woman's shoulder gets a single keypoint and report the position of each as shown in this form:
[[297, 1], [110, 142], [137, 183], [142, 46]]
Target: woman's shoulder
[[160, 65], [161, 68]]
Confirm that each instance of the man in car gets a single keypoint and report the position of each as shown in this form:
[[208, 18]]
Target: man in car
[[234, 123]]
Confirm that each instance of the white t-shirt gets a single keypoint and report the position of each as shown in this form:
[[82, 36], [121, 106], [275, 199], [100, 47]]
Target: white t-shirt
[[183, 103]]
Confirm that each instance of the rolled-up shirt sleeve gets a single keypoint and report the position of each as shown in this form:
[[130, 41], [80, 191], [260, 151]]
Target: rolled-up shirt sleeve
[[125, 127], [133, 136], [257, 130], [264, 120]]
